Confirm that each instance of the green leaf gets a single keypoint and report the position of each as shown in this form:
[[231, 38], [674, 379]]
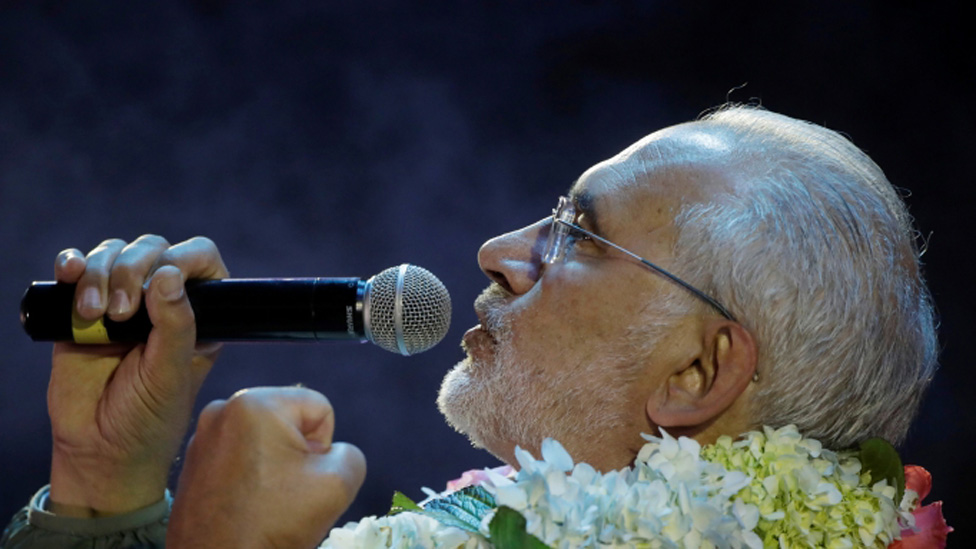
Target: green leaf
[[463, 509], [881, 459], [402, 503], [507, 530]]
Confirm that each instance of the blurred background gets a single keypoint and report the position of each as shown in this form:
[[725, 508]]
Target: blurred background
[[341, 138]]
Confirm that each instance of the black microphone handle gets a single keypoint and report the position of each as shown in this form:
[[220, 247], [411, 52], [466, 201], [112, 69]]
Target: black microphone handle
[[272, 309]]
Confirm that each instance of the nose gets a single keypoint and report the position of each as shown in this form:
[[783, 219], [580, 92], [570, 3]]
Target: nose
[[514, 260]]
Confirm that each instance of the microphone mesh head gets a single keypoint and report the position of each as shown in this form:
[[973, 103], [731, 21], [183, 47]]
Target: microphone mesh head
[[407, 309]]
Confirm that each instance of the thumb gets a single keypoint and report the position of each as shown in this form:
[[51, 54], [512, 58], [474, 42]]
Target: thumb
[[171, 342]]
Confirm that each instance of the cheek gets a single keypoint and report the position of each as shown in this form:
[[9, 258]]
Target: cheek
[[569, 314], [600, 296], [544, 330]]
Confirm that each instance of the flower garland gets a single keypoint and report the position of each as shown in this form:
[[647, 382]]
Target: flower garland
[[768, 489]]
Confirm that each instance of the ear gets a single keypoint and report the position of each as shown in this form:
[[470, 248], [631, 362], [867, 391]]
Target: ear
[[710, 381]]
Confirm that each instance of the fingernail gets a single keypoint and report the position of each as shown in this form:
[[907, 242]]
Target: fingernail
[[170, 288], [119, 303], [91, 300]]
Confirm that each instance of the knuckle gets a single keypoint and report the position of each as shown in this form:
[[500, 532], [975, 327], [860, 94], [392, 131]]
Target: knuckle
[[110, 243], [318, 398], [244, 403], [300, 390], [197, 255], [103, 255], [151, 240], [212, 410], [202, 242]]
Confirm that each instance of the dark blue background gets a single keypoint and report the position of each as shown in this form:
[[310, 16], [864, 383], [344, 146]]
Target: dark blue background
[[340, 138]]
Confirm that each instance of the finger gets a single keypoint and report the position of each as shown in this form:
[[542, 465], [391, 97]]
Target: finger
[[92, 288], [306, 410], [169, 349], [311, 412], [129, 271], [69, 266], [197, 258]]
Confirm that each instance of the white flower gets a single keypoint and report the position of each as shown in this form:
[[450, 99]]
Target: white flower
[[407, 530], [771, 488], [512, 496], [555, 455]]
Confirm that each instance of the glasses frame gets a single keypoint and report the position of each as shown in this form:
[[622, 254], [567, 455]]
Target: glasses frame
[[564, 221]]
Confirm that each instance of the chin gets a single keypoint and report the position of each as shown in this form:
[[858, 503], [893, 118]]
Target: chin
[[498, 406], [491, 406], [461, 401]]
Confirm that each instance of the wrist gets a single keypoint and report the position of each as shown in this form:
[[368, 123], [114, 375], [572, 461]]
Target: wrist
[[99, 490]]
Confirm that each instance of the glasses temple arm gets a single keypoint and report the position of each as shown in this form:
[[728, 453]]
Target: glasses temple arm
[[701, 295]]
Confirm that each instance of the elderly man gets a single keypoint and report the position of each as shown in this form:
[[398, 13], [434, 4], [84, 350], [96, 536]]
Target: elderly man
[[742, 270]]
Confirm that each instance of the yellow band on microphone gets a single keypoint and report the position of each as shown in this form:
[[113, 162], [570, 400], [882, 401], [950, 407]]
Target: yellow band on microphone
[[89, 332]]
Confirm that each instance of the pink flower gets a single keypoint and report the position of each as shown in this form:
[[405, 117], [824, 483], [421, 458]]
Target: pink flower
[[476, 477], [930, 526]]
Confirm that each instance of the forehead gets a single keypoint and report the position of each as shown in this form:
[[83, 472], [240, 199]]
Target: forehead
[[652, 179]]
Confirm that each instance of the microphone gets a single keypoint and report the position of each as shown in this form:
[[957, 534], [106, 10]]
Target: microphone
[[403, 309]]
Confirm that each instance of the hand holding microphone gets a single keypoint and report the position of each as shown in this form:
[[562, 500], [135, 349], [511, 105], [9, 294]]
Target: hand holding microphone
[[119, 412], [403, 309]]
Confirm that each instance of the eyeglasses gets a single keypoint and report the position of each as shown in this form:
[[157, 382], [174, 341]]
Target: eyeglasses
[[564, 223]]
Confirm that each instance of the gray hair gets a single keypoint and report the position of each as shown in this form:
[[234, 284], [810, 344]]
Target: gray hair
[[817, 257]]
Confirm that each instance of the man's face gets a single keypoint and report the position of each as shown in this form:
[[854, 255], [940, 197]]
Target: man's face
[[572, 350]]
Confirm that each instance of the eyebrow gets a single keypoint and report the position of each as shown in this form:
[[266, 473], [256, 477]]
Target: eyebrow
[[585, 203]]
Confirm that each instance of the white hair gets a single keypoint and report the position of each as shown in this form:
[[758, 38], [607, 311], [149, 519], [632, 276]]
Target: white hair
[[816, 255]]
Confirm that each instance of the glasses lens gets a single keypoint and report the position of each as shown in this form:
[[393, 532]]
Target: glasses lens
[[558, 232]]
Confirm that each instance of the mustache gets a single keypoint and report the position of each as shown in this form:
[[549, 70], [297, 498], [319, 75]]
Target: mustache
[[490, 307]]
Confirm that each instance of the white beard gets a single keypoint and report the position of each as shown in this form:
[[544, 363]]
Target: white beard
[[501, 402]]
